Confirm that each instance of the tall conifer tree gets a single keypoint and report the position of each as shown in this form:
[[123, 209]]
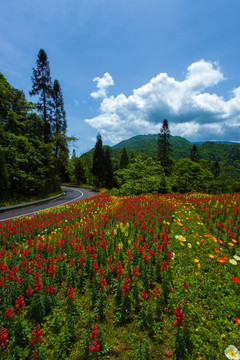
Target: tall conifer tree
[[98, 167], [194, 155], [124, 160], [164, 147], [42, 86], [59, 123]]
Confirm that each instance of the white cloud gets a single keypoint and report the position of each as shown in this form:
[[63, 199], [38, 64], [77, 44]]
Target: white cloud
[[102, 85], [191, 110]]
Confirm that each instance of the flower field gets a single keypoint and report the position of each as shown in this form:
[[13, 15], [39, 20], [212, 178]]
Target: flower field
[[139, 277]]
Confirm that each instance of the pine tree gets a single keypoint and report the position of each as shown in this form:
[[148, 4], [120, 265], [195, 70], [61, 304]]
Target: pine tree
[[109, 178], [194, 155], [42, 86], [98, 167], [59, 123], [124, 161], [164, 147]]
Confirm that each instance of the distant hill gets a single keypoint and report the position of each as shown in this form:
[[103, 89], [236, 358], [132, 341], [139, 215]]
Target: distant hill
[[224, 151], [147, 144]]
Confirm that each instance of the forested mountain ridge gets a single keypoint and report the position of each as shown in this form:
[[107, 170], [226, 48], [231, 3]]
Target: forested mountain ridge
[[209, 150]]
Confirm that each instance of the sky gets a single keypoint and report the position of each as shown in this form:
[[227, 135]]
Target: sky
[[126, 65]]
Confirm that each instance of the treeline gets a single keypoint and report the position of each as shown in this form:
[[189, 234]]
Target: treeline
[[33, 142], [135, 173]]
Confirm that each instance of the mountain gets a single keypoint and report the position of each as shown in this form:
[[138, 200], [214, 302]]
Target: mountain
[[147, 144], [221, 151]]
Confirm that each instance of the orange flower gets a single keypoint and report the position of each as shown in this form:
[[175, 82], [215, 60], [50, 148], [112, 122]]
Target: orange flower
[[220, 241], [222, 260], [216, 250], [238, 320]]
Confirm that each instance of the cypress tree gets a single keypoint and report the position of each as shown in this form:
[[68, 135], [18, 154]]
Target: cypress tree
[[98, 167], [194, 155], [42, 86], [124, 161], [164, 147]]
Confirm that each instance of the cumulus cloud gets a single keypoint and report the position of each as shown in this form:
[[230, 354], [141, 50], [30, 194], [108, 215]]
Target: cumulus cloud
[[191, 110], [102, 84]]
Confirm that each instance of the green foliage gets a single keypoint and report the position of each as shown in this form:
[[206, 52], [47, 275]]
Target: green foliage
[[98, 165], [28, 167], [191, 177], [164, 147], [124, 161], [142, 177], [194, 155]]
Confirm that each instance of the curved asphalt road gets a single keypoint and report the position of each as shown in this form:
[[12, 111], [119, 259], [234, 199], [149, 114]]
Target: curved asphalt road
[[71, 194]]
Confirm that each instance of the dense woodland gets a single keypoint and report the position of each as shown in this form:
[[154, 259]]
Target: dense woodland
[[34, 156], [33, 141]]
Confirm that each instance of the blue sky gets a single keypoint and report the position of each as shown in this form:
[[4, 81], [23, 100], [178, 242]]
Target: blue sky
[[124, 66]]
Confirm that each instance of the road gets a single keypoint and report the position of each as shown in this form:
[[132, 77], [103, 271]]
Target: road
[[71, 194]]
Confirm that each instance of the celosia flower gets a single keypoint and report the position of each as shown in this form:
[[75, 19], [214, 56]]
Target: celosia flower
[[232, 353]]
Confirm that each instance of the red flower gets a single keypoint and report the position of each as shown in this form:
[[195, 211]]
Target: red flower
[[70, 293], [9, 313], [236, 280], [238, 320], [3, 337], [19, 303], [37, 336]]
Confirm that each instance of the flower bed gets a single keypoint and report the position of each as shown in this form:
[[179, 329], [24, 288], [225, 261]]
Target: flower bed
[[140, 277]]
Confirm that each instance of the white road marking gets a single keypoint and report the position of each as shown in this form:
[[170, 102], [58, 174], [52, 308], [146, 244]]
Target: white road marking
[[35, 212]]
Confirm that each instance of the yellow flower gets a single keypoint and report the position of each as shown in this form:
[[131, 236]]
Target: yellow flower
[[196, 260], [199, 266], [211, 256], [182, 243], [230, 244], [198, 243]]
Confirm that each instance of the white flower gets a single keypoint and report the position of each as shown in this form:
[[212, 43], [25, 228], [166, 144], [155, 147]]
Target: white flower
[[173, 256], [232, 353], [236, 257], [233, 262], [189, 245]]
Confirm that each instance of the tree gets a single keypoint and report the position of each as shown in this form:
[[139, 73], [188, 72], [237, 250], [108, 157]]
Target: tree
[[109, 178], [98, 166], [194, 155], [124, 161], [4, 182], [216, 169], [79, 171], [164, 147], [42, 86], [59, 123]]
